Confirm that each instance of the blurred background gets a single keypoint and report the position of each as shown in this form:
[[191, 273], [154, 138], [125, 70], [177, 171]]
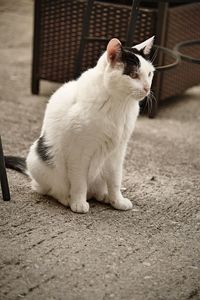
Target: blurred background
[[69, 36], [151, 252]]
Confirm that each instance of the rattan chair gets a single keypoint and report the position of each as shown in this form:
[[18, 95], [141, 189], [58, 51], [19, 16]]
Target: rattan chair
[[3, 176]]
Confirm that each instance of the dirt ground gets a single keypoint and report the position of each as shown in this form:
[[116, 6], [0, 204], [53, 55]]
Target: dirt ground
[[49, 252]]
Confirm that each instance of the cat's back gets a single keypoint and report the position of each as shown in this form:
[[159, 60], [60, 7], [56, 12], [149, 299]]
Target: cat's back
[[63, 97], [76, 91]]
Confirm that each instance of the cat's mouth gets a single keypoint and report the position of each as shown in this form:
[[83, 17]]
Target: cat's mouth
[[139, 95]]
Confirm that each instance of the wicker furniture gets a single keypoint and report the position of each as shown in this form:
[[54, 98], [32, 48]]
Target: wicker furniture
[[58, 33], [3, 176], [183, 25], [58, 28]]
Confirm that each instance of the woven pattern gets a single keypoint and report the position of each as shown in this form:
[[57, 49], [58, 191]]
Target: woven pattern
[[61, 28], [112, 21], [183, 24], [61, 23]]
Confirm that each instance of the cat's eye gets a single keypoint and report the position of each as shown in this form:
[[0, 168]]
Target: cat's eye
[[149, 74]]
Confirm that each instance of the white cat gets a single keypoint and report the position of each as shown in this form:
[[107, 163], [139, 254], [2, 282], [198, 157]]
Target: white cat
[[86, 128]]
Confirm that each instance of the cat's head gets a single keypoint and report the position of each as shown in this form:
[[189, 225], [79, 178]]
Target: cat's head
[[127, 70]]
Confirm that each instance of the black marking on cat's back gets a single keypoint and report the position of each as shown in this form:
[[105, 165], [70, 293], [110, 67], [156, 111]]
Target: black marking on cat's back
[[43, 150]]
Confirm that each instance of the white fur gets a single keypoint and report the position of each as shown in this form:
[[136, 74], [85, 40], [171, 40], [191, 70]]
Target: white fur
[[146, 45], [88, 123]]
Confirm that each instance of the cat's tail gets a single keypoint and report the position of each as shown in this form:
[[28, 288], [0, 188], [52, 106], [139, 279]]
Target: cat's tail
[[16, 163]]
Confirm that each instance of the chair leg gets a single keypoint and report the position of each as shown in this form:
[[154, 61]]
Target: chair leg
[[3, 176], [35, 83], [132, 23], [84, 35], [160, 40], [35, 87]]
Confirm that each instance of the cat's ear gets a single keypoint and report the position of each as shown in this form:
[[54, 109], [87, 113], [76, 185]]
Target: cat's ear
[[114, 50], [145, 46]]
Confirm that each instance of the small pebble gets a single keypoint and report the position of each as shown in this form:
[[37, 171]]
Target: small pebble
[[193, 267], [123, 189], [147, 264], [147, 277], [135, 209]]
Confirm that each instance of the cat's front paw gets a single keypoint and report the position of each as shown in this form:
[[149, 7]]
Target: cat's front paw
[[122, 204], [81, 207]]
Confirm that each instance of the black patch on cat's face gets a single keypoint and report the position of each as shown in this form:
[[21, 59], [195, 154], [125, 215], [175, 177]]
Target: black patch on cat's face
[[130, 60], [43, 150]]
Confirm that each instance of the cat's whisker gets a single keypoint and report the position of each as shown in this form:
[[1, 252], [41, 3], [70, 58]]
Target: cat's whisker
[[150, 98], [146, 103], [154, 55], [153, 96]]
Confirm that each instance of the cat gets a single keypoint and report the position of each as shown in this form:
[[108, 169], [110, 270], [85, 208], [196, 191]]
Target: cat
[[87, 125]]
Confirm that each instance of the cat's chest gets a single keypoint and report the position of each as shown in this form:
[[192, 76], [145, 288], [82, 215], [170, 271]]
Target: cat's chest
[[114, 131], [108, 136], [122, 125]]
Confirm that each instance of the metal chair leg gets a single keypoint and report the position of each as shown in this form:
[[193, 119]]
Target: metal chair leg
[[132, 23], [3, 176], [85, 31], [35, 83], [160, 40]]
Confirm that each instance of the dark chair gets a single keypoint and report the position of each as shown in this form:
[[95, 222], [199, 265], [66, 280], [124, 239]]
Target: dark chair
[[64, 29], [3, 176]]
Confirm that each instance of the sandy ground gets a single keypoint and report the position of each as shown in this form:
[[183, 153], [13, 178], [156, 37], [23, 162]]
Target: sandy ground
[[48, 252]]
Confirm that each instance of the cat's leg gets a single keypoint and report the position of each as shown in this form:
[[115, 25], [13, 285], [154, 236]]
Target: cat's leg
[[78, 173], [78, 193], [60, 193], [59, 183], [113, 175]]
